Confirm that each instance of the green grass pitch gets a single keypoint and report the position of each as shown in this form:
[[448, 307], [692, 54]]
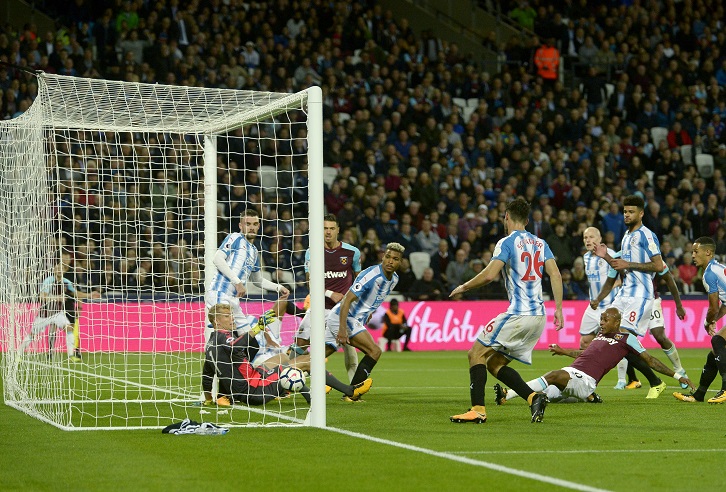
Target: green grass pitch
[[626, 443]]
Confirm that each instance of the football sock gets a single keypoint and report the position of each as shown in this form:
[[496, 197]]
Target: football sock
[[293, 310], [622, 370], [672, 354], [351, 362], [513, 380], [708, 374], [363, 372], [719, 349], [478, 378], [337, 384], [305, 392], [538, 384], [642, 366], [630, 371]]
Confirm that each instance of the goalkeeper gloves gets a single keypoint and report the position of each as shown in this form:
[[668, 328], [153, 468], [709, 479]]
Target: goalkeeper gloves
[[266, 318]]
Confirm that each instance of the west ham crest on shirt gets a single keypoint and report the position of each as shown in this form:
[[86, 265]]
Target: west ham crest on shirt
[[618, 336], [343, 260]]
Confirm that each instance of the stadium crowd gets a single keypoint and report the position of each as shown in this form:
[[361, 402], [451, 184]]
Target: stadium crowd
[[428, 144]]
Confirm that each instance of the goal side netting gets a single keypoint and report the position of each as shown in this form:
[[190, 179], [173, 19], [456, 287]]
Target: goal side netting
[[122, 192]]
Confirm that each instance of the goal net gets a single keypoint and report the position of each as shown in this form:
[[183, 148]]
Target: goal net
[[126, 190]]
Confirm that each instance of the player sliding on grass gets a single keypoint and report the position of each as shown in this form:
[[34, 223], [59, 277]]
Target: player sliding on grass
[[512, 335], [714, 279], [602, 354], [229, 358], [346, 321]]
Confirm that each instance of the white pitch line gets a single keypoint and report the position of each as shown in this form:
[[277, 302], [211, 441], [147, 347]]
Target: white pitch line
[[598, 451], [468, 461]]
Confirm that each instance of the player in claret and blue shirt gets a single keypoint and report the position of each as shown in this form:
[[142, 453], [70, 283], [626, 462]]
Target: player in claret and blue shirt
[[580, 378]]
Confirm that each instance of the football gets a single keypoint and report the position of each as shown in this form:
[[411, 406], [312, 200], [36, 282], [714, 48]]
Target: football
[[292, 379]]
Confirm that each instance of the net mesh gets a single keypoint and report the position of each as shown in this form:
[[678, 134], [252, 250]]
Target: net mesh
[[107, 178]]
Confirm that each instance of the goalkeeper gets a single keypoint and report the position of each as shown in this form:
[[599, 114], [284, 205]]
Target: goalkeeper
[[229, 358]]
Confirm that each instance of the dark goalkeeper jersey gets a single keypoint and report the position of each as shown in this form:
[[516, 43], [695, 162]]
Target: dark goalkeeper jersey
[[604, 353], [229, 357]]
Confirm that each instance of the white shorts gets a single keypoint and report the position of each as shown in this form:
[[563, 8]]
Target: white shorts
[[590, 323], [266, 351], [243, 322], [656, 316], [332, 324], [60, 320], [580, 384], [514, 336], [635, 312], [303, 331]]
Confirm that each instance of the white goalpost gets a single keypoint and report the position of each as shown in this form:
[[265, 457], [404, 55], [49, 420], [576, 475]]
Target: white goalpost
[[126, 190]]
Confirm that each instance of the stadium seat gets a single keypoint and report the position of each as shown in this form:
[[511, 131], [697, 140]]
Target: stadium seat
[[609, 89], [468, 111], [329, 175], [472, 102], [343, 117], [704, 163], [509, 113], [288, 278], [419, 262], [459, 101], [658, 133], [687, 154], [268, 179], [650, 175]]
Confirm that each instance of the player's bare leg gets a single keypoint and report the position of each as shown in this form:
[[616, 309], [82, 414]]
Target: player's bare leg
[[364, 342]]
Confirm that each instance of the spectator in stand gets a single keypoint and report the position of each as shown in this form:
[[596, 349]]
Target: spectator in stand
[[406, 278], [440, 260], [371, 247], [456, 270], [427, 288], [613, 222], [427, 239], [677, 136], [547, 61], [561, 245]]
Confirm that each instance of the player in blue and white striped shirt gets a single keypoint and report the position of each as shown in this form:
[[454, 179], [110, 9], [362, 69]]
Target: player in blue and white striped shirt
[[238, 262], [640, 256], [714, 279], [596, 269], [345, 323], [522, 258]]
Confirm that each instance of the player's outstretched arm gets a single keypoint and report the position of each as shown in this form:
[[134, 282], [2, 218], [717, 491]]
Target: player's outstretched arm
[[673, 288], [658, 366], [556, 280], [557, 350]]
